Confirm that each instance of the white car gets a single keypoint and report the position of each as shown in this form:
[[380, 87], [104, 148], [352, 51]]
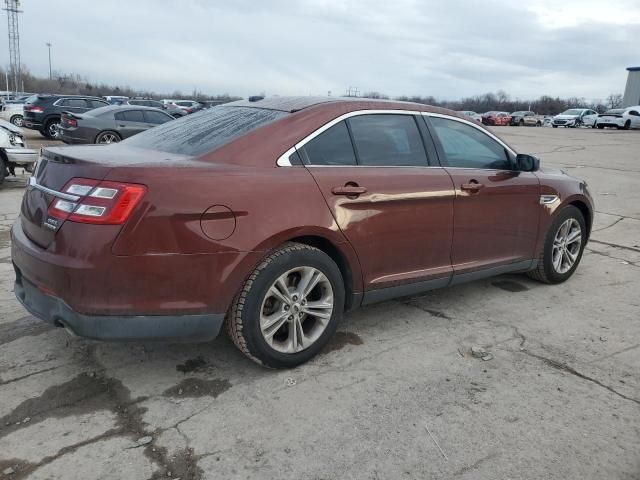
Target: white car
[[13, 150], [473, 115], [12, 112], [575, 117], [621, 118]]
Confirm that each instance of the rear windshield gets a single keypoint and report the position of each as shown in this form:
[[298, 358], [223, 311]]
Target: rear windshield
[[615, 111], [204, 131]]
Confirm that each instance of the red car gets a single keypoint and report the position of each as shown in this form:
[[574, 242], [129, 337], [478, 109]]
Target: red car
[[274, 217], [496, 118]]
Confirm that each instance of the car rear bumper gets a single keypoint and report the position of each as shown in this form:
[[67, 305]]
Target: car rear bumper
[[22, 156], [53, 310], [103, 296]]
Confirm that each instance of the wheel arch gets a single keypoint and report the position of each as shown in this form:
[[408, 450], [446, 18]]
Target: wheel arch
[[338, 256], [586, 212]]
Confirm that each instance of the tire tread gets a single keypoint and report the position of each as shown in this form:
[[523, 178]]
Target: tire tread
[[234, 324]]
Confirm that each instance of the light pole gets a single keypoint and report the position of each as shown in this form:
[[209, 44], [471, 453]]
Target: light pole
[[49, 46]]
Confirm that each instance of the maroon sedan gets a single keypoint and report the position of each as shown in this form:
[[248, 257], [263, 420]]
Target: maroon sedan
[[274, 217]]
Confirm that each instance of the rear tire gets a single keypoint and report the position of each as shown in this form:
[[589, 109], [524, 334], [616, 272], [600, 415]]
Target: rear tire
[[270, 297], [563, 246], [554, 126], [3, 169], [108, 137], [52, 129], [521, 123]]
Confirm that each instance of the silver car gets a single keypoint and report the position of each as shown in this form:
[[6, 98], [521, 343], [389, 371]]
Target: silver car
[[13, 150]]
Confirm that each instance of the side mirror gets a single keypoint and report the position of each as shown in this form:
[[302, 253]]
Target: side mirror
[[527, 163]]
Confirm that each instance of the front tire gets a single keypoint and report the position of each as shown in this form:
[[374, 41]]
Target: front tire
[[17, 120], [288, 308], [627, 125], [563, 247]]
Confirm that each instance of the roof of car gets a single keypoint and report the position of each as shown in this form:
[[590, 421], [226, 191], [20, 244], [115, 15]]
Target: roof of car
[[295, 104], [110, 108]]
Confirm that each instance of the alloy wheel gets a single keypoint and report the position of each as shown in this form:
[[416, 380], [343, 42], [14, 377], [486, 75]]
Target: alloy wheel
[[17, 121], [108, 138], [566, 245], [53, 129], [296, 309]]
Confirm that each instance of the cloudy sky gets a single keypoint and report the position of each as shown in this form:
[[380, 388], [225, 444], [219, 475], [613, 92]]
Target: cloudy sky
[[298, 47]]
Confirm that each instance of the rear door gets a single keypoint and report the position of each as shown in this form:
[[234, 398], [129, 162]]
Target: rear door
[[130, 122], [392, 204], [496, 208]]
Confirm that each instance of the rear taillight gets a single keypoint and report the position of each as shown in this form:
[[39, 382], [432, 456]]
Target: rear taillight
[[33, 108], [71, 122], [101, 202]]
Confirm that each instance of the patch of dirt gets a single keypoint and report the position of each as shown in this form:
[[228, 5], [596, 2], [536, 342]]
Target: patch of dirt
[[192, 365], [196, 387], [340, 340]]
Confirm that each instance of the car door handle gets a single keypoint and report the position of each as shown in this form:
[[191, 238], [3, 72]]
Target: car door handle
[[349, 190], [471, 186]]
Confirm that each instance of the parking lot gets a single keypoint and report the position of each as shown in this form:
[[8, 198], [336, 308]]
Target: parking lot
[[397, 394]]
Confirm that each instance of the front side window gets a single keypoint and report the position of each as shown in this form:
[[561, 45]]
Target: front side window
[[156, 117], [383, 140], [467, 147], [97, 103], [331, 147]]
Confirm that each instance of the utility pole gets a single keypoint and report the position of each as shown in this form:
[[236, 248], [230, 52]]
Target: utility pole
[[49, 46], [12, 8]]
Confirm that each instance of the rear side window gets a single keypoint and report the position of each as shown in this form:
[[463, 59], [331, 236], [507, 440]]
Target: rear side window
[[467, 147], [387, 140], [331, 147], [130, 116], [76, 103], [156, 117], [97, 103], [204, 131]]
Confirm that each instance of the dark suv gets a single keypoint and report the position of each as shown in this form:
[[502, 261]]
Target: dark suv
[[42, 112]]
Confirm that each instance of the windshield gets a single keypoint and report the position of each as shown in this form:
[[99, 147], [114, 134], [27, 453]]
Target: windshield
[[572, 111], [518, 113], [204, 131]]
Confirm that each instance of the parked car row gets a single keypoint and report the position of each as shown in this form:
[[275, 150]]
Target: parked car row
[[620, 118]]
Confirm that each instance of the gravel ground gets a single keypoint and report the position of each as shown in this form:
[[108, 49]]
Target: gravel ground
[[397, 394]]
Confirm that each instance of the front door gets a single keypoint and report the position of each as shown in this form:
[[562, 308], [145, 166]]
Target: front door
[[496, 208], [130, 122], [393, 207]]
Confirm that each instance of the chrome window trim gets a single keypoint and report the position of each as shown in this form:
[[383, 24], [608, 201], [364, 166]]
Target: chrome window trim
[[477, 127], [283, 160], [64, 196]]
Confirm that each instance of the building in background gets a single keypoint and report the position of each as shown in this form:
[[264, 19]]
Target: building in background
[[632, 90]]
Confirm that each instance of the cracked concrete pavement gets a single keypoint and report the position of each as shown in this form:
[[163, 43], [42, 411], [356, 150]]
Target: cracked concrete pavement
[[396, 395]]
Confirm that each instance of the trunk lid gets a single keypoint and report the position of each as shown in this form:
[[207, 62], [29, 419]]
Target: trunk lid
[[57, 165]]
